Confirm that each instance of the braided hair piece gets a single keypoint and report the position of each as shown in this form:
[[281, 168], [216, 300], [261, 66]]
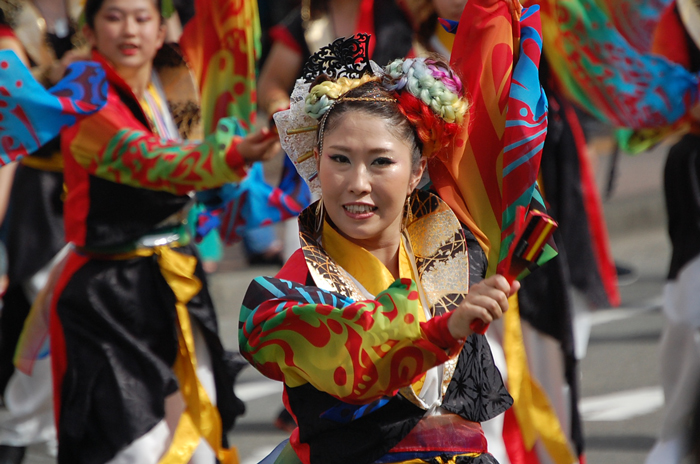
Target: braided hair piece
[[423, 90], [428, 80], [324, 94], [430, 96]]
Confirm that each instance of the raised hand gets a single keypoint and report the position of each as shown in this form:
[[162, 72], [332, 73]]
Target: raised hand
[[487, 301], [259, 146]]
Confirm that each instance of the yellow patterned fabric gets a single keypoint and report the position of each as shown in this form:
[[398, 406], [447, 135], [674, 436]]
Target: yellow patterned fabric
[[444, 37], [156, 110], [201, 418], [363, 265], [535, 414], [54, 163]]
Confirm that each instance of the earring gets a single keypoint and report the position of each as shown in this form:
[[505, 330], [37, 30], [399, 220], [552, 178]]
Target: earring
[[320, 211], [407, 214]]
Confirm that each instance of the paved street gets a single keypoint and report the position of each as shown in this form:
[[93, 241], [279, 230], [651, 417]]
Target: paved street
[[621, 399]]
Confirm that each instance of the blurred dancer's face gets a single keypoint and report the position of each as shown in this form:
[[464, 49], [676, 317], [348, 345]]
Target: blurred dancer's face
[[366, 173], [449, 9], [128, 33]]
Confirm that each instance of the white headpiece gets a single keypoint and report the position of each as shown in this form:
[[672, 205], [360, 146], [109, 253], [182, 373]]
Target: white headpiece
[[297, 130], [415, 81]]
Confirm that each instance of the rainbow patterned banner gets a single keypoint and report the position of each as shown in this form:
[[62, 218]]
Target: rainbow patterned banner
[[31, 116], [494, 163], [525, 130], [600, 70], [222, 44], [635, 20]]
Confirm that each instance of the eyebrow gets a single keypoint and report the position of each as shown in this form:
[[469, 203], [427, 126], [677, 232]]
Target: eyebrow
[[373, 151], [110, 9]]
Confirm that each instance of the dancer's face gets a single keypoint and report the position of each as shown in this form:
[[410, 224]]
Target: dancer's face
[[128, 33], [449, 9], [366, 173]]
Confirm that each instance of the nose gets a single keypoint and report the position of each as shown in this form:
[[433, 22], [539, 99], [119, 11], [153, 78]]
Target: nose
[[130, 25], [360, 180]]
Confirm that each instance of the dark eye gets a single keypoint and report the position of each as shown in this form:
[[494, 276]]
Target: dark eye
[[383, 161], [339, 158]]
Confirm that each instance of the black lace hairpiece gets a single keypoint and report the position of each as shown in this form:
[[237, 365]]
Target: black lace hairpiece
[[345, 57]]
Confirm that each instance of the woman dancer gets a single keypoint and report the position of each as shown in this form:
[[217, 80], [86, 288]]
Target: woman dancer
[[139, 371], [368, 325]]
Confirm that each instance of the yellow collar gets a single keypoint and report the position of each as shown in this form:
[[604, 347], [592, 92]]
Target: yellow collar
[[361, 264]]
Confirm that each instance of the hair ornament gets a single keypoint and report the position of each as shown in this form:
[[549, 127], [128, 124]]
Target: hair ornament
[[342, 58], [322, 125], [435, 86], [297, 131], [322, 96], [426, 91], [367, 99]]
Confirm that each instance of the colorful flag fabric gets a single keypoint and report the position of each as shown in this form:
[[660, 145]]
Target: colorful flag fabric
[[252, 203], [635, 20], [31, 116], [491, 176], [525, 132], [494, 163], [222, 44], [600, 70]]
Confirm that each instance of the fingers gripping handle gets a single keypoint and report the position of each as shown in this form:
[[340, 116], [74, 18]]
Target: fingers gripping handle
[[531, 237]]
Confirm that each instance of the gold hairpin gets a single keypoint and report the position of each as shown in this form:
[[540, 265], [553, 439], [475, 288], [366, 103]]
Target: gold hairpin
[[368, 99], [301, 130], [305, 156]]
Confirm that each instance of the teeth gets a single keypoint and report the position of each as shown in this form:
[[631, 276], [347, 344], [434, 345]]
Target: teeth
[[358, 208]]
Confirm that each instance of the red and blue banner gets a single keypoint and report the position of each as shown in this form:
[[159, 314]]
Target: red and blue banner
[[31, 116]]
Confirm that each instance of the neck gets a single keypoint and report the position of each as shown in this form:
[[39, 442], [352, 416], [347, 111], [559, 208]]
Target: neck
[[387, 252], [137, 79]]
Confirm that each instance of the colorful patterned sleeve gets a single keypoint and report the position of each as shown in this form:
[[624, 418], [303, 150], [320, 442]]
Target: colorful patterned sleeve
[[355, 351], [114, 145]]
